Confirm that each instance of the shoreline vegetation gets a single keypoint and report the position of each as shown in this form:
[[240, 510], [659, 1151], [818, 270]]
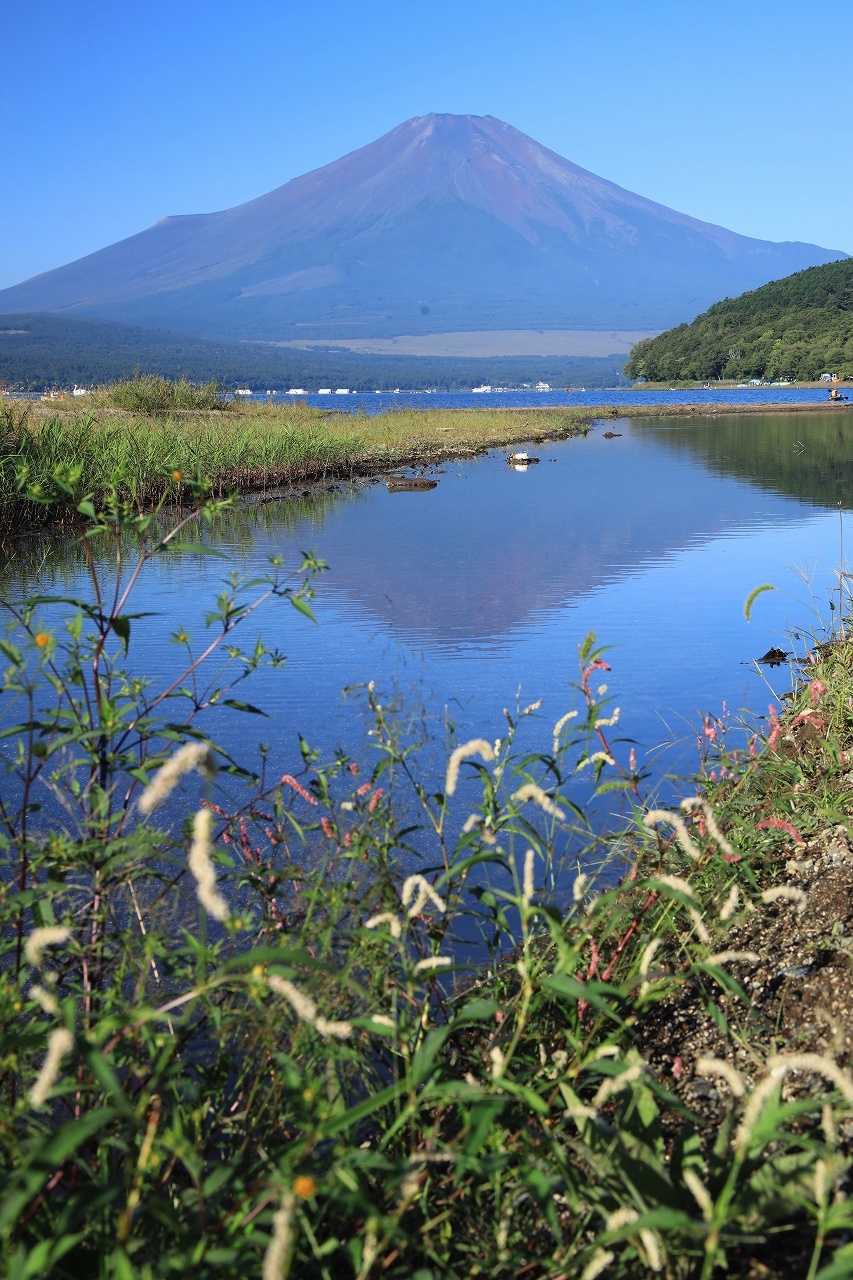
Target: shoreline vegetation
[[240, 1035], [155, 439]]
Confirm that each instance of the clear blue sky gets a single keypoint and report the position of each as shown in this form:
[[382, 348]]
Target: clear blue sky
[[116, 114]]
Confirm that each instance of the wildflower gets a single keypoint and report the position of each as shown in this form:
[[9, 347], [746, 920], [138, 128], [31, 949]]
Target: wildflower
[[729, 907], [609, 722], [42, 639], [305, 1008], [374, 800], [699, 925], [59, 1043], [201, 865], [297, 787], [527, 889], [530, 791], [560, 726], [49, 936], [280, 1248], [476, 747], [534, 706], [304, 1186], [820, 1182], [578, 887], [827, 1120], [717, 1067], [780, 825], [816, 691], [364, 788], [787, 892], [615, 1084], [620, 1218], [727, 957], [599, 1263], [597, 756], [699, 802], [45, 998], [675, 882], [645, 963], [498, 1062], [817, 1063], [699, 1192], [775, 728], [417, 888], [677, 822], [602, 689], [327, 828], [353, 767], [432, 962], [386, 917], [177, 475], [193, 755], [754, 1107]]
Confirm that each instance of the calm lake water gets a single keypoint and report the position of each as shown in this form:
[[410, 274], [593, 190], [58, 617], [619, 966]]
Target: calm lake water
[[386, 402], [466, 598]]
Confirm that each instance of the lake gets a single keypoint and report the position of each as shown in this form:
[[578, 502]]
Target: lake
[[387, 402], [475, 595]]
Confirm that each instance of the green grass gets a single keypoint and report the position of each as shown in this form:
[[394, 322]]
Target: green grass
[[162, 448], [253, 1044]]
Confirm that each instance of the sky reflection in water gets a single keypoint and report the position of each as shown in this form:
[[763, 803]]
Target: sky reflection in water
[[480, 590]]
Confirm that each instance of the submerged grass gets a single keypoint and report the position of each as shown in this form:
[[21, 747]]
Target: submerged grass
[[144, 443], [240, 1036]]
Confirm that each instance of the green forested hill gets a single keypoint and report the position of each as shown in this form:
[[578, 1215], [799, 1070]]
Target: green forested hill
[[798, 327], [40, 351]]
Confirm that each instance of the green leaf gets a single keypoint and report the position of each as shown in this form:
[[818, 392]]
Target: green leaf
[[841, 1267], [586, 647], [121, 626], [301, 607], [244, 706], [13, 654], [753, 596], [196, 548]]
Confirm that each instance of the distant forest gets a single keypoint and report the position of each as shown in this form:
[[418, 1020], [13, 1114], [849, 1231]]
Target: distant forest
[[41, 351], [797, 327]]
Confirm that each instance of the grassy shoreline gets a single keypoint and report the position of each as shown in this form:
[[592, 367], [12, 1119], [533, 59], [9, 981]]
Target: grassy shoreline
[[152, 456], [239, 449]]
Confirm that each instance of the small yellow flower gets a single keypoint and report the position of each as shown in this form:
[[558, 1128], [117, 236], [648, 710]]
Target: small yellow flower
[[304, 1187], [177, 475], [42, 639]]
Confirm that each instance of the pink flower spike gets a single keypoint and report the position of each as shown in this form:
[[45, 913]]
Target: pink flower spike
[[816, 691], [327, 827], [779, 824], [374, 800]]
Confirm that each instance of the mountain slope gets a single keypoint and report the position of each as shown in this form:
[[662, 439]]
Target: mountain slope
[[799, 327], [445, 223]]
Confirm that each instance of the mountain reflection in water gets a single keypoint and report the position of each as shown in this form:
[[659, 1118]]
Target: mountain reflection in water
[[462, 595]]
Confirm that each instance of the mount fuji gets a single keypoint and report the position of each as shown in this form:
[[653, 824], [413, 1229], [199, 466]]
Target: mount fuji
[[448, 223]]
